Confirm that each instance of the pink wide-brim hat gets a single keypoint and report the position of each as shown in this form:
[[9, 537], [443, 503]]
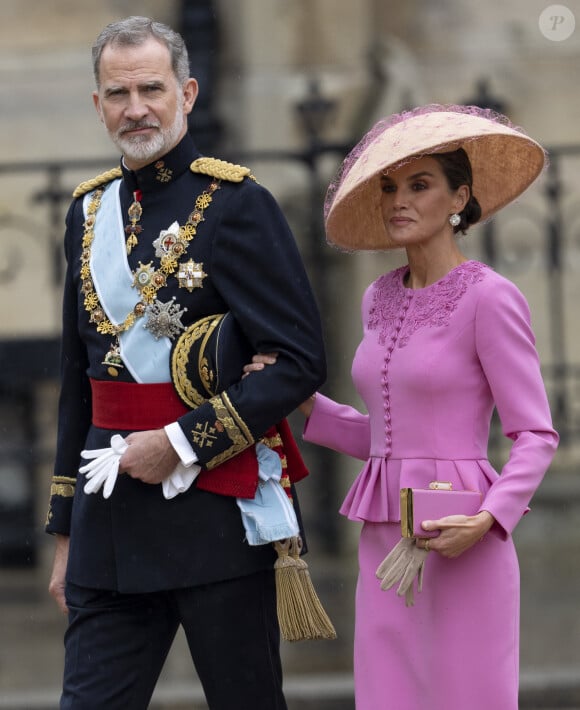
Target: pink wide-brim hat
[[504, 160]]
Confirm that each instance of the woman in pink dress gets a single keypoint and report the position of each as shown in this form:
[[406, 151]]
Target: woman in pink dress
[[446, 340]]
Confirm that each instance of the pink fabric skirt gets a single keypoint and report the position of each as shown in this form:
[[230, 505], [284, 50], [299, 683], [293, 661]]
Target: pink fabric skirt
[[457, 648]]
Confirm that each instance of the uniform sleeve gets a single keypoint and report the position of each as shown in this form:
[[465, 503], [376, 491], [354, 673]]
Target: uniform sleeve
[[258, 271], [506, 349], [74, 412], [338, 427]]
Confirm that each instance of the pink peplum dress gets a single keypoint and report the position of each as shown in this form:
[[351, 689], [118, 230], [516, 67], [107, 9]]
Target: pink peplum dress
[[431, 366]]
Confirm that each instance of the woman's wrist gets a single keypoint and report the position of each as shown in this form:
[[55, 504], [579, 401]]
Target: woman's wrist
[[308, 405], [485, 520]]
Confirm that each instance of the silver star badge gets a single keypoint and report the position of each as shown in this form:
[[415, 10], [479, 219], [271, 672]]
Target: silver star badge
[[164, 319]]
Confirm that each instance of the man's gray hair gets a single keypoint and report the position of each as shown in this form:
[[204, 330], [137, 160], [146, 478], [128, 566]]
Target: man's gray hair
[[134, 31]]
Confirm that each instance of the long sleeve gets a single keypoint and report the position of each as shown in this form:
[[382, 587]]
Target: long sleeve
[[338, 427], [506, 349], [74, 414], [258, 272]]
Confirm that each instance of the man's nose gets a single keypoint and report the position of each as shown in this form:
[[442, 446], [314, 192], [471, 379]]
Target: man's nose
[[136, 108]]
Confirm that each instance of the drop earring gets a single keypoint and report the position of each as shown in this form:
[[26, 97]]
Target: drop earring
[[454, 220]]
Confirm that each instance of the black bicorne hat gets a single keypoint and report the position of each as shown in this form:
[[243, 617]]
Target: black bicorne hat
[[208, 357]]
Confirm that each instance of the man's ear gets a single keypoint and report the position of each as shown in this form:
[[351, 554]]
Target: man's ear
[[190, 92], [97, 104]]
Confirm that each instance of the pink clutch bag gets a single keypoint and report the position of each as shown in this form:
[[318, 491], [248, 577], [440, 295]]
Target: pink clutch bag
[[437, 501]]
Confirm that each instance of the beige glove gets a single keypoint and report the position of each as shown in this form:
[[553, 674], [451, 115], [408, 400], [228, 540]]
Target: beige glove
[[403, 563]]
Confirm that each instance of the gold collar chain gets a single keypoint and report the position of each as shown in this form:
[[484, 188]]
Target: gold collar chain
[[147, 279]]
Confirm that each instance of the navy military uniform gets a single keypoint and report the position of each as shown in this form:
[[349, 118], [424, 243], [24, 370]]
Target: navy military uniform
[[242, 259]]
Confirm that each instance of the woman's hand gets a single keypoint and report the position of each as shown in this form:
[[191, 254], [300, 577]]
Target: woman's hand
[[259, 362], [458, 533]]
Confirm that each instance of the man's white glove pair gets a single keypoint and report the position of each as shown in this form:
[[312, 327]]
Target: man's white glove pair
[[103, 469], [403, 563]]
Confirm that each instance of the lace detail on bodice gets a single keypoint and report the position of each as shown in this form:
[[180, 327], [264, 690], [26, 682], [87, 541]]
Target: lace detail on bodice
[[429, 307]]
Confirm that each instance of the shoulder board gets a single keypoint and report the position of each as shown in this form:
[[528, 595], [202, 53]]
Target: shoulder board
[[101, 179], [220, 169]]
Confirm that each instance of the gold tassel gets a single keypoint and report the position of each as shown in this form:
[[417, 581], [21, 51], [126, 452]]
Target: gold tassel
[[289, 596], [318, 620], [300, 613]]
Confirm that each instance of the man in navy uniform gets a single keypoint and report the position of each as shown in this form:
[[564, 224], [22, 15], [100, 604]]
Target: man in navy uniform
[[153, 248]]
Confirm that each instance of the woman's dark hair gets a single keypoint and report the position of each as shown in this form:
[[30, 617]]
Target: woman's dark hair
[[457, 169]]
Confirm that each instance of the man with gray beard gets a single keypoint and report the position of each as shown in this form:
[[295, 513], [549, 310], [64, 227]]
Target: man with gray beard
[[148, 533]]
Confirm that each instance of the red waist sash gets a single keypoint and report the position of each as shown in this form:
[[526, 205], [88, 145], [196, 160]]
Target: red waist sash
[[129, 406]]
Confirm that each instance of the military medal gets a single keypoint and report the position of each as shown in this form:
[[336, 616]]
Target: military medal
[[191, 275], [113, 361], [133, 230], [166, 241], [143, 276], [164, 319]]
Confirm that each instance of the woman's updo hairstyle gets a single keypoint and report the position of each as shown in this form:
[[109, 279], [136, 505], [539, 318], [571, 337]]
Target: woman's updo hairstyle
[[457, 169]]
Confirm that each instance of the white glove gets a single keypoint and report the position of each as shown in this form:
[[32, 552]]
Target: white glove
[[104, 468], [403, 563]]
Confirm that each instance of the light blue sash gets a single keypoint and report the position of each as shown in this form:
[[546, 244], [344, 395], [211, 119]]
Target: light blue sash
[[270, 515], [146, 359]]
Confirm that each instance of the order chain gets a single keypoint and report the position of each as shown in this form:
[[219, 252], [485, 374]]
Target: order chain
[[158, 277]]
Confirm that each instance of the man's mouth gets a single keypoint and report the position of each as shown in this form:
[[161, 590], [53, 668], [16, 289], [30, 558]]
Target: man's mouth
[[137, 129]]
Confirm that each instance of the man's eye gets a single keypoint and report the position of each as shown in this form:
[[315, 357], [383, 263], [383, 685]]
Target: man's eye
[[115, 93]]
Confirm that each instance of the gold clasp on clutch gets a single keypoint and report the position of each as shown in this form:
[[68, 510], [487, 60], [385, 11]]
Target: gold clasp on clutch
[[440, 486]]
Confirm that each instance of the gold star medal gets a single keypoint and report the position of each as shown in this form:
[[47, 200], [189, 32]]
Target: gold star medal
[[143, 275], [147, 280]]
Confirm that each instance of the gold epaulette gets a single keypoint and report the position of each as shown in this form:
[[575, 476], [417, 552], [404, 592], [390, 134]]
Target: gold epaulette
[[220, 169], [101, 179]]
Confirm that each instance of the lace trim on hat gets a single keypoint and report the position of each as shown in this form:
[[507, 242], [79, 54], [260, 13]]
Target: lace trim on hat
[[388, 122], [430, 307]]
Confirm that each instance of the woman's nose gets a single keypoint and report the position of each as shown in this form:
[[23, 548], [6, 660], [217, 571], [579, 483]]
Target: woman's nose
[[400, 200]]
